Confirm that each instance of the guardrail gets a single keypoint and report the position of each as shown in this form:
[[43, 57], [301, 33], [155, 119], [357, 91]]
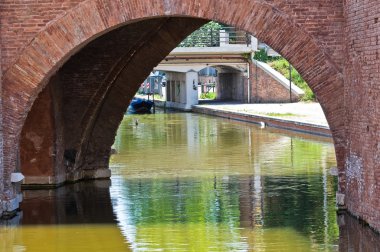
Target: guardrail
[[217, 38]]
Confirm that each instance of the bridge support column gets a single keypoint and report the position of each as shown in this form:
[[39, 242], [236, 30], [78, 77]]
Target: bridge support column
[[1, 135], [191, 89], [182, 89], [9, 201], [362, 104], [40, 146]]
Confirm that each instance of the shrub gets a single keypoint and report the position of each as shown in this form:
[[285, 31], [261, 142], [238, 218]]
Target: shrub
[[209, 96], [282, 65]]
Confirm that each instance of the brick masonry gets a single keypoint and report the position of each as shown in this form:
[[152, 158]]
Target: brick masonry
[[1, 127], [332, 44], [37, 145], [92, 91], [362, 102], [266, 89]]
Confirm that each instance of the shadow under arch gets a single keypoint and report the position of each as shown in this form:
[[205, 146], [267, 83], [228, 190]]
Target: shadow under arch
[[66, 36], [228, 74]]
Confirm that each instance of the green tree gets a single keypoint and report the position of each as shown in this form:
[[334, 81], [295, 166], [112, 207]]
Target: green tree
[[261, 56]]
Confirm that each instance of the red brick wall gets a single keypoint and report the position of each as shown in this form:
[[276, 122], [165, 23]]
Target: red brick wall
[[37, 145], [21, 20], [324, 19], [265, 89], [41, 151], [1, 128], [56, 88], [362, 101]]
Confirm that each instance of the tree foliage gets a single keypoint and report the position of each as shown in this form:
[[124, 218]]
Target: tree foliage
[[282, 65], [261, 56]]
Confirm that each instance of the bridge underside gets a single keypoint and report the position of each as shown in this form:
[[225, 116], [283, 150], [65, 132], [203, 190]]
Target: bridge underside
[[84, 102], [88, 60]]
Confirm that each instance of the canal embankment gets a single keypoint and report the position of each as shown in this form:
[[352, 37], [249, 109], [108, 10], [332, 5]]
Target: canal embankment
[[302, 117]]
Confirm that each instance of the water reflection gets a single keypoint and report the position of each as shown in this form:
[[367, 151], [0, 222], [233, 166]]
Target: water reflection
[[77, 217], [354, 236], [184, 177], [71, 204], [227, 212], [184, 182]]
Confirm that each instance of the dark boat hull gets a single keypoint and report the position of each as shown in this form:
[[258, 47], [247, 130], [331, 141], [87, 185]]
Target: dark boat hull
[[140, 106]]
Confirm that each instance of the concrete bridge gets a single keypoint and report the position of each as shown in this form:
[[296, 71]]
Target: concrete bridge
[[240, 78], [69, 68]]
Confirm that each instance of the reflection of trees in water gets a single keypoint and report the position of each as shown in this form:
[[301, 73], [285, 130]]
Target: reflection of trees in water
[[170, 213], [288, 202], [297, 202], [281, 180], [183, 201]]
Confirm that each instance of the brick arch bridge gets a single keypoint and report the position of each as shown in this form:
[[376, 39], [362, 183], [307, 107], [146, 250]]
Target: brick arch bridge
[[69, 68]]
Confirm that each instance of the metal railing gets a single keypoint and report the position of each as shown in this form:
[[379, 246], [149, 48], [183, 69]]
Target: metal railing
[[217, 38]]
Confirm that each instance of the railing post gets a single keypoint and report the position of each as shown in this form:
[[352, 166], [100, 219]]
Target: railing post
[[211, 37], [290, 82]]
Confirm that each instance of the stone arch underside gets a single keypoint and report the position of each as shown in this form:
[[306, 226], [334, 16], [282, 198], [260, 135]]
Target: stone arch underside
[[71, 33], [91, 92]]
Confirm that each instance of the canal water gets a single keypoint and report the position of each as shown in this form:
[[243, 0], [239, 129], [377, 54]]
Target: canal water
[[187, 182]]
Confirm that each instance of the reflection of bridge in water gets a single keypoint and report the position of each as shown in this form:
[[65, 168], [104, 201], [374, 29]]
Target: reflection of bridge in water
[[99, 216]]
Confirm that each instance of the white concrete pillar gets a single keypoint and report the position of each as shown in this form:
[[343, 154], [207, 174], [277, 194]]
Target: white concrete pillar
[[254, 44], [191, 89]]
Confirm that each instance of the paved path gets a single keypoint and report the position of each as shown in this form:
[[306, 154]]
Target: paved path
[[311, 113], [305, 117]]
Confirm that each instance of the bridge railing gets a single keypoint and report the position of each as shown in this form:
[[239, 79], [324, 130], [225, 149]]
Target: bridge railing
[[217, 38]]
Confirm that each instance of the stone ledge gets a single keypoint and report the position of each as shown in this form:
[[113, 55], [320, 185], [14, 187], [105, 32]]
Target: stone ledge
[[44, 180], [40, 182], [269, 121], [97, 174]]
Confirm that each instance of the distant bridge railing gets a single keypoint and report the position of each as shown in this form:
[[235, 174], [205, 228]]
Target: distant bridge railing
[[217, 38]]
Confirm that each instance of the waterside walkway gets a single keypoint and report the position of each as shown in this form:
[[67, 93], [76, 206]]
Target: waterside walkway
[[301, 117], [305, 117]]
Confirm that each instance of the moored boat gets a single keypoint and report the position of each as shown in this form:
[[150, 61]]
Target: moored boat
[[140, 106]]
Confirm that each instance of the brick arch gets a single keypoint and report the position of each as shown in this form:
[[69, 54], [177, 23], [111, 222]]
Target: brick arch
[[64, 37]]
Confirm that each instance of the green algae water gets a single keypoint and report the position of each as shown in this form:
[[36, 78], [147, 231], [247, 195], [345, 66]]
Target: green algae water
[[186, 182], [196, 183]]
